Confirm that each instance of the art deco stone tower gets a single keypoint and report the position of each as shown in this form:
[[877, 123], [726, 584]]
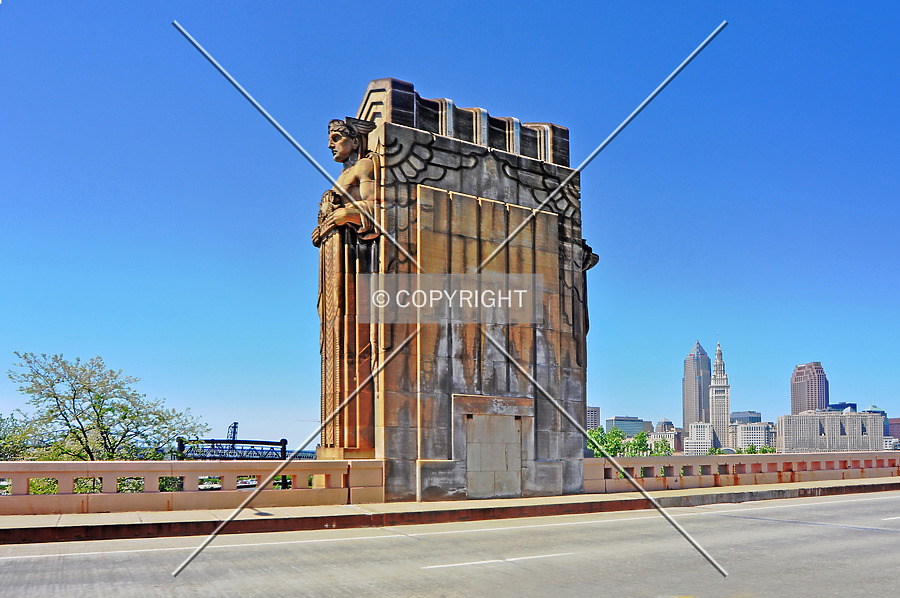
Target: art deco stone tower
[[450, 415], [719, 400]]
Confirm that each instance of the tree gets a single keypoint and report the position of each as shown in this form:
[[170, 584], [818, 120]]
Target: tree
[[12, 438], [597, 437], [714, 451], [751, 449], [89, 412], [638, 445], [612, 442], [661, 448], [766, 449]]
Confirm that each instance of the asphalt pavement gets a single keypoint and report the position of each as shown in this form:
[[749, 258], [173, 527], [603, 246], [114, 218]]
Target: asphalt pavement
[[822, 546]]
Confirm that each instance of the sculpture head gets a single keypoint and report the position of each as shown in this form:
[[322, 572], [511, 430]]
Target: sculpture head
[[348, 137]]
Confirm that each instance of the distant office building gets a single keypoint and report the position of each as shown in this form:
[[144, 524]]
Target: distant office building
[[665, 425], [773, 434], [758, 434], [648, 426], [695, 386], [719, 400], [894, 426], [745, 417], [809, 388], [670, 437], [879, 411], [891, 443], [842, 406], [593, 418], [700, 439], [631, 426], [731, 438], [818, 431]]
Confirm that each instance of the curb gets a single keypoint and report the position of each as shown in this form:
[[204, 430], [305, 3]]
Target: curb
[[113, 531]]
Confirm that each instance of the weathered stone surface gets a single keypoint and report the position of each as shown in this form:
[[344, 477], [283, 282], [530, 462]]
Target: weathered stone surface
[[435, 443], [542, 478], [441, 480]]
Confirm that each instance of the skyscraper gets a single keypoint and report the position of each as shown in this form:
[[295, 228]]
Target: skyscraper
[[593, 418], [809, 388], [695, 387], [719, 400]]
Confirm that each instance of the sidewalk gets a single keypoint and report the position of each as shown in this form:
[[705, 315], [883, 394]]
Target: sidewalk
[[20, 529]]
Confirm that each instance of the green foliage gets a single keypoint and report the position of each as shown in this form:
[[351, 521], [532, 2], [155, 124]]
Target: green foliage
[[43, 486], [596, 436], [714, 451], [88, 485], [661, 448], [613, 442], [766, 449], [88, 412], [751, 449], [171, 484], [13, 435], [130, 485], [638, 446]]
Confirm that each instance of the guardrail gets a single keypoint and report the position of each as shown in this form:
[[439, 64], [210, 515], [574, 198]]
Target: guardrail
[[677, 472], [115, 486]]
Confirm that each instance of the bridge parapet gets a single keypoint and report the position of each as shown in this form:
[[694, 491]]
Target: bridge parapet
[[117, 486], [708, 471]]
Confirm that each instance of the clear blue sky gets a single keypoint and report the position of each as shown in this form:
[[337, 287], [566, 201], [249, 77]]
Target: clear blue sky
[[151, 216]]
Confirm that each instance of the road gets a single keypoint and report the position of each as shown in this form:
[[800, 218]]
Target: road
[[829, 546]]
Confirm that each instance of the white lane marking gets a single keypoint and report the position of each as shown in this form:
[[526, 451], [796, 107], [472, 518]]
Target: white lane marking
[[171, 548], [539, 556], [462, 564], [889, 518], [536, 525], [790, 506], [509, 560], [437, 533]]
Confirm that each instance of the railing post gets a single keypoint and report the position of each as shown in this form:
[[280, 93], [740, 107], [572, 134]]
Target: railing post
[[284, 478]]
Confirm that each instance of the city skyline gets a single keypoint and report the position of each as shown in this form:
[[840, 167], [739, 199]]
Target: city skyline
[[809, 390], [152, 217]]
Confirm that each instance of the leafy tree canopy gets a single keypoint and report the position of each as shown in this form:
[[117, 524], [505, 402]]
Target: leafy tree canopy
[[661, 448], [87, 411], [638, 445], [13, 436], [613, 442]]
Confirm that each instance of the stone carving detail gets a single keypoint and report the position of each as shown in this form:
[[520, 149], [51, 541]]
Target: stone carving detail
[[429, 157], [424, 160], [344, 236]]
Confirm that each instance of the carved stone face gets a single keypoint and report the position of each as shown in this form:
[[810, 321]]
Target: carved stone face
[[341, 146]]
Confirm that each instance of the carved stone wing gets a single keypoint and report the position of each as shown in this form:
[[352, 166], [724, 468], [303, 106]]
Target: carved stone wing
[[542, 179], [423, 157]]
